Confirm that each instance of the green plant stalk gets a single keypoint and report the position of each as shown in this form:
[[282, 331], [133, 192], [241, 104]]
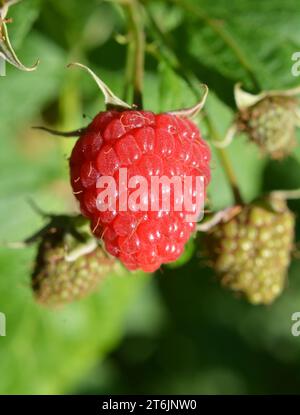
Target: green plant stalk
[[128, 68], [168, 55], [137, 49], [69, 105]]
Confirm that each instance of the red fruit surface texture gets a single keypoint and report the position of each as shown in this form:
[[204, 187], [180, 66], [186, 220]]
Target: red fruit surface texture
[[146, 144]]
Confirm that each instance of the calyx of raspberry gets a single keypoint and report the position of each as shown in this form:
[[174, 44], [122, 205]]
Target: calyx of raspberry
[[5, 5], [6, 50], [244, 100], [269, 119], [113, 102], [249, 247]]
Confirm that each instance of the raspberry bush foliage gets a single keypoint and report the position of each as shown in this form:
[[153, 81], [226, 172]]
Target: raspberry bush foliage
[[181, 288]]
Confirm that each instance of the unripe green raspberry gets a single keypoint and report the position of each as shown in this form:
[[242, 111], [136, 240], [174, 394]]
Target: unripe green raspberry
[[251, 251], [269, 118], [57, 280], [271, 124]]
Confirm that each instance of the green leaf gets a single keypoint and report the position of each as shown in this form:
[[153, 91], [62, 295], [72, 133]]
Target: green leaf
[[222, 37]]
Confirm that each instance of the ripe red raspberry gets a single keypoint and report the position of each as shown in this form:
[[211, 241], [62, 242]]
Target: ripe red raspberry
[[146, 144]]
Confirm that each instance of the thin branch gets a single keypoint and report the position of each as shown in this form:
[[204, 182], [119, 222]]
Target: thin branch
[[227, 166], [128, 81]]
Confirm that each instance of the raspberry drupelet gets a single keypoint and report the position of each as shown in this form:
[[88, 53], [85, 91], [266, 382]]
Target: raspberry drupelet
[[147, 144]]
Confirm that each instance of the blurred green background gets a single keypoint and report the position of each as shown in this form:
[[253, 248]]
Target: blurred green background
[[176, 331]]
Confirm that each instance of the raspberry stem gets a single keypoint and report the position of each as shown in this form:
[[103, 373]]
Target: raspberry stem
[[128, 68], [224, 159], [136, 49]]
